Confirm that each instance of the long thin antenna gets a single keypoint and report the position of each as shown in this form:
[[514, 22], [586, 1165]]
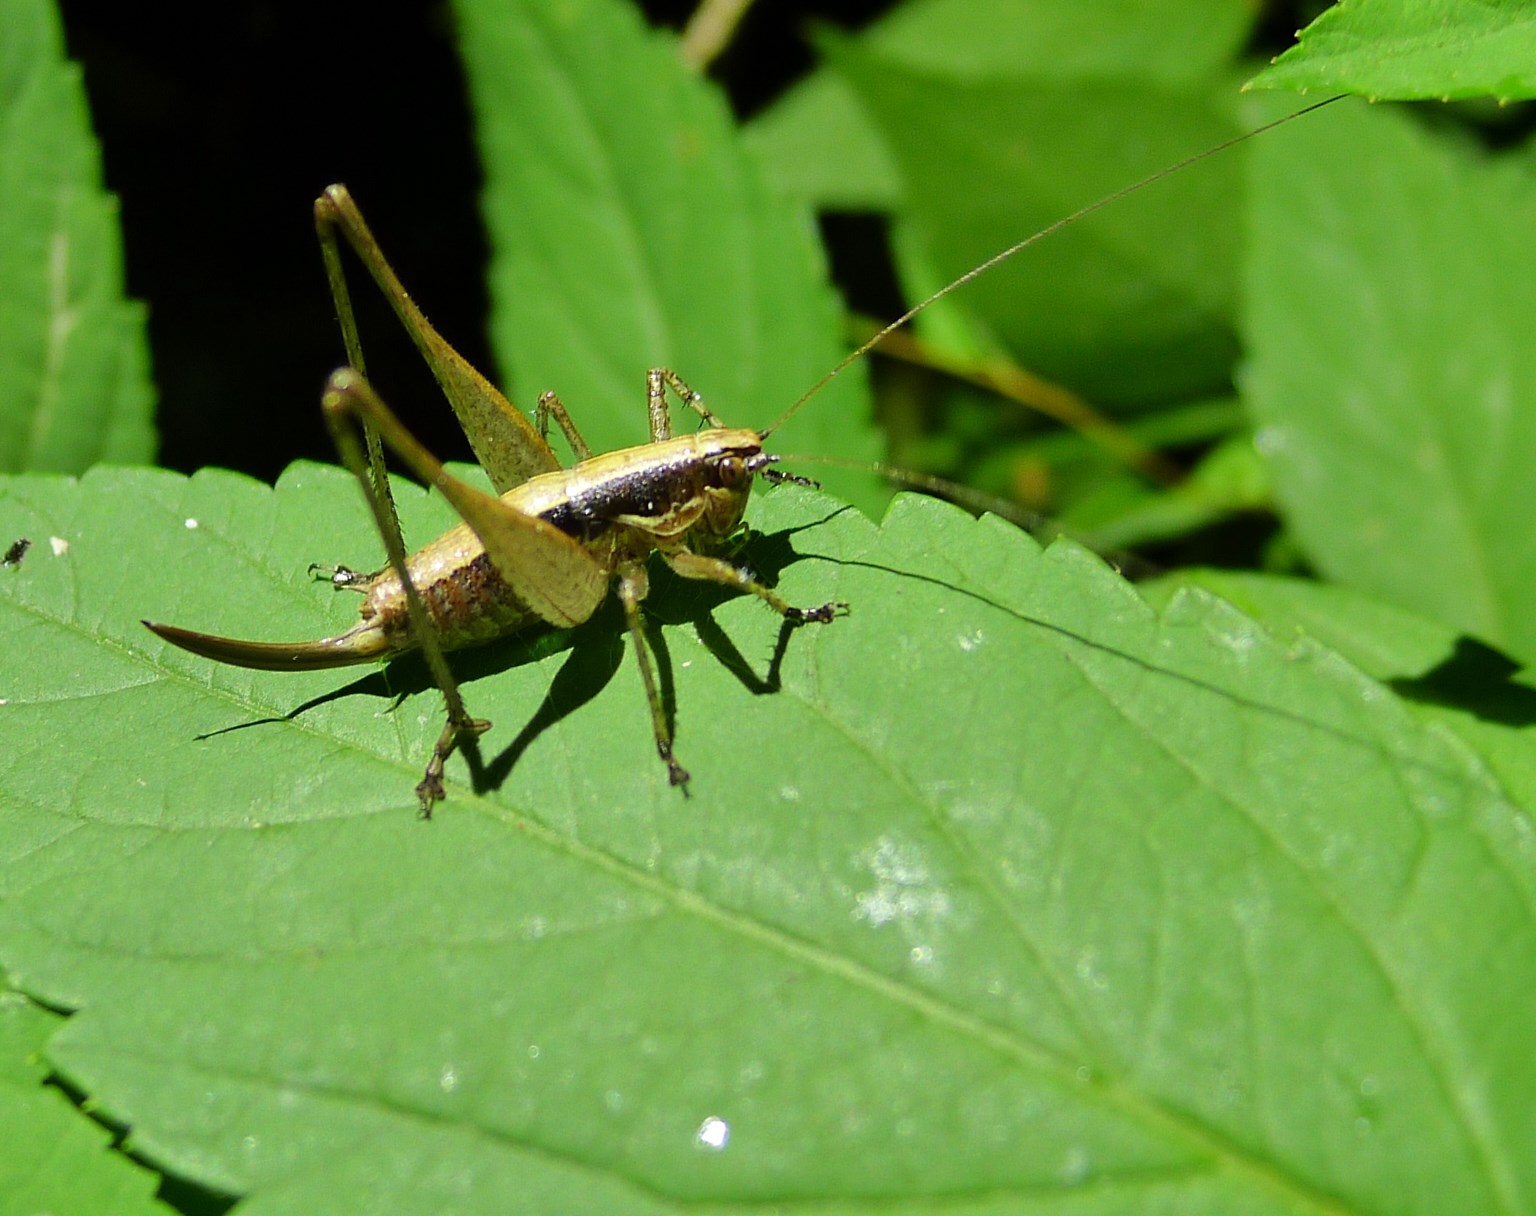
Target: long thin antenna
[[1050, 229]]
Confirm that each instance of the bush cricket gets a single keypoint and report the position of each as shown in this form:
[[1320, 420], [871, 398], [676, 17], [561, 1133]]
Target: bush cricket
[[550, 546]]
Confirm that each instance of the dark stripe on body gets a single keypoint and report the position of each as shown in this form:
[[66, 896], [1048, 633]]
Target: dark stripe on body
[[649, 492]]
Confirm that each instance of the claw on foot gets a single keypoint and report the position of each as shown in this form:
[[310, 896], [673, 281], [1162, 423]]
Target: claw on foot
[[429, 790], [341, 577], [819, 616], [676, 773]]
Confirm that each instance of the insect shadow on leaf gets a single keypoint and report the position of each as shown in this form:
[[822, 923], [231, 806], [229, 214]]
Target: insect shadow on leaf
[[1476, 678]]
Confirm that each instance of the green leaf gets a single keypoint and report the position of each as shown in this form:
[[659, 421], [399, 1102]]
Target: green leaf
[[632, 230], [1132, 305], [821, 145], [1015, 894], [1179, 42], [1391, 281], [1408, 49], [1386, 642], [74, 363], [817, 144], [1445, 677], [51, 1159], [1123, 512]]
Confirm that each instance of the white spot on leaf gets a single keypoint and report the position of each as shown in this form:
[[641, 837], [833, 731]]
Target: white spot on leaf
[[714, 1134], [904, 890]]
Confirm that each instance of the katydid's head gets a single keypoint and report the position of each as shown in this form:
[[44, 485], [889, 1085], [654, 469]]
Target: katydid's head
[[724, 477]]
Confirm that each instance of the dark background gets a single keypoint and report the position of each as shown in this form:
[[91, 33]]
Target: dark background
[[220, 123]]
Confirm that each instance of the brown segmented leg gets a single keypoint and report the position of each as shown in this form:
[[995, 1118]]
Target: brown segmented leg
[[348, 401], [550, 406]]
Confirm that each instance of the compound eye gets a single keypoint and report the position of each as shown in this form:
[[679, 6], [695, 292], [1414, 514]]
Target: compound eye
[[732, 471]]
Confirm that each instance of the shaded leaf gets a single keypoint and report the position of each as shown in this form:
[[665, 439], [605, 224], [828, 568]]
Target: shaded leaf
[[1391, 280], [818, 144], [74, 361], [1133, 304], [1124, 513], [821, 145]]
